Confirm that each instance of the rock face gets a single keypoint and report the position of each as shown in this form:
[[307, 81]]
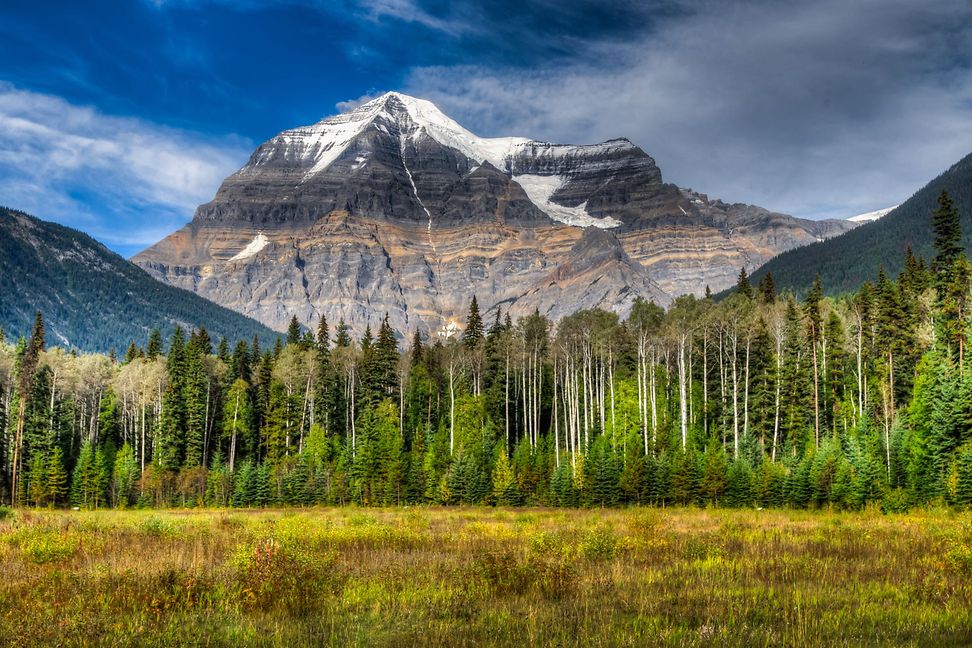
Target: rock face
[[393, 207]]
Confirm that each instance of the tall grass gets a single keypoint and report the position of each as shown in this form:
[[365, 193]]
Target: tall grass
[[447, 577]]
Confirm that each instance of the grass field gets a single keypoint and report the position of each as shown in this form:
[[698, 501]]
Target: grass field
[[447, 577]]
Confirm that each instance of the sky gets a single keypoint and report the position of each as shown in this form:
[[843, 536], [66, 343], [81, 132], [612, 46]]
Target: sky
[[119, 118]]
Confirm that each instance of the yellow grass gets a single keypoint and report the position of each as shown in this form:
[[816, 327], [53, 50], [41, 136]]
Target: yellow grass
[[477, 576]]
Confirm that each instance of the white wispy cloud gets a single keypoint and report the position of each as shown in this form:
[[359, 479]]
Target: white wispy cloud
[[123, 179]]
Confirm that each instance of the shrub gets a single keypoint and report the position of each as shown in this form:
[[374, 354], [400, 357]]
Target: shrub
[[157, 526], [896, 501], [276, 575], [599, 544], [41, 545]]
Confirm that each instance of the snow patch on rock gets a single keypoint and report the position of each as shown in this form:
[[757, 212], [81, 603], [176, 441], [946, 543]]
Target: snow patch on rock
[[258, 243], [872, 216], [540, 188]]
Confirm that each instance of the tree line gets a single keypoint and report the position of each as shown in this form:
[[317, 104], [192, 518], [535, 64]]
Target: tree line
[[760, 399]]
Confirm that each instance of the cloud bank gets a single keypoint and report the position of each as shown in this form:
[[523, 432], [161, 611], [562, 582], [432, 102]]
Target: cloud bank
[[73, 164], [822, 108]]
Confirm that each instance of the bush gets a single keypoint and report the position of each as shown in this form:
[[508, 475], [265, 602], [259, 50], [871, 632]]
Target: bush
[[42, 545], [546, 569], [156, 526], [599, 544], [896, 501], [273, 575]]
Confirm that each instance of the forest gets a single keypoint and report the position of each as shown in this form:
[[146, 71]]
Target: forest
[[756, 400]]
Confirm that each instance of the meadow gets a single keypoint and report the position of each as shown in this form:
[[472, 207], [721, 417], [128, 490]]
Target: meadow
[[480, 576]]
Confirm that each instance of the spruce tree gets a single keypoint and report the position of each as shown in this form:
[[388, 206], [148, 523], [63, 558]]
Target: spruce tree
[[132, 353], [57, 478], [294, 335], [743, 286], [473, 334], [767, 289], [505, 491], [963, 485], [154, 348], [947, 227], [222, 351]]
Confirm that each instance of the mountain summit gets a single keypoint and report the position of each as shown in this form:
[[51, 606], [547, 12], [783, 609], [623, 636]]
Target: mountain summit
[[394, 207]]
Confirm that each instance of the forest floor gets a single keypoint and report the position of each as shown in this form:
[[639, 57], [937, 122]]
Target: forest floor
[[478, 576]]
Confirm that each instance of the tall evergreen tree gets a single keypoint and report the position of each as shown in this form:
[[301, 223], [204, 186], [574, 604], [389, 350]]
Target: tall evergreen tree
[[473, 334]]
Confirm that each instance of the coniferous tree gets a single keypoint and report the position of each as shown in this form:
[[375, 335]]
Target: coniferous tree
[[294, 335], [767, 289], [472, 334], [57, 478], [154, 348], [743, 286]]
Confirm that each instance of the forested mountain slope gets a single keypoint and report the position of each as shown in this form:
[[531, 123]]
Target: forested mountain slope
[[856, 256], [92, 298]]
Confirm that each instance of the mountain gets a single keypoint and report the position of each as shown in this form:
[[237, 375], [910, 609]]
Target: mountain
[[844, 262], [92, 299], [394, 207]]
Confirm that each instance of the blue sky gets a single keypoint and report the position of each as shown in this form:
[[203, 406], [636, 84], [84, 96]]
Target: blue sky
[[118, 118]]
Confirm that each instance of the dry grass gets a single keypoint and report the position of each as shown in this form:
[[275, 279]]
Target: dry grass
[[448, 577]]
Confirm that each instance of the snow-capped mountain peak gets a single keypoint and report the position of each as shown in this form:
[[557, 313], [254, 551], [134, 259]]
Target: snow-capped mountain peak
[[425, 116], [317, 147]]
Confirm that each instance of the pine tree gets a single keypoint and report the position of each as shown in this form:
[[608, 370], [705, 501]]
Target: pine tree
[[37, 481], [132, 353], [473, 334], [505, 491], [154, 348], [201, 342], [767, 289], [634, 479], [739, 483], [386, 360], [170, 440], [812, 312], [294, 335], [963, 488], [57, 478], [714, 472], [28, 356], [223, 352], [84, 482], [123, 477], [947, 227], [743, 286]]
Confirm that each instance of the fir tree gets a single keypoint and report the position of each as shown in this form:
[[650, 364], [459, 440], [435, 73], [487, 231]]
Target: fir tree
[[57, 478], [948, 239], [294, 335], [767, 289], [505, 491], [472, 334], [154, 348], [743, 286]]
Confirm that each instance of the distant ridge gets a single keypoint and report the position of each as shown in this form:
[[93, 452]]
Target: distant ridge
[[91, 298], [846, 261]]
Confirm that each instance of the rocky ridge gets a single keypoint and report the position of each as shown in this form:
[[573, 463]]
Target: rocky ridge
[[394, 207]]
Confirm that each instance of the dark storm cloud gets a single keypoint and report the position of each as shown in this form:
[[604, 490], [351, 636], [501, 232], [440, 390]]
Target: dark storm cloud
[[818, 108]]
